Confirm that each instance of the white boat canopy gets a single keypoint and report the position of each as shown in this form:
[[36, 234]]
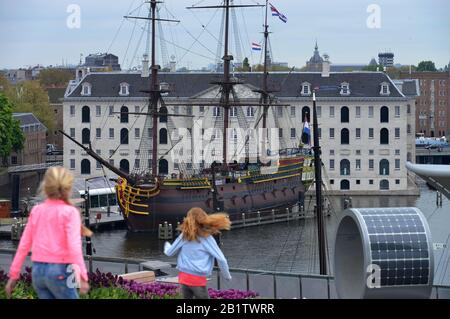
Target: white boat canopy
[[437, 176]]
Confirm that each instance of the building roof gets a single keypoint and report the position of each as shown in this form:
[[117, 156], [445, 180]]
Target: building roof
[[184, 85], [26, 118], [409, 87]]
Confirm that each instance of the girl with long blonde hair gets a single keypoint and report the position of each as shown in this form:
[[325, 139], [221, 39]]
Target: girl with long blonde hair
[[54, 237], [198, 249]]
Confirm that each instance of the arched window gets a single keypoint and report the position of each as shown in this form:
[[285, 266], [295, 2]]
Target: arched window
[[306, 114], [384, 184], [345, 114], [124, 136], [85, 167], [163, 136], [124, 114], [345, 136], [85, 136], [85, 114], [384, 167], [125, 166], [345, 184], [345, 167], [124, 89], [163, 167], [163, 114], [250, 111], [384, 136], [384, 114]]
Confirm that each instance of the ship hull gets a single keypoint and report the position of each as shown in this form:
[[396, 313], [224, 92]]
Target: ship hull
[[171, 204]]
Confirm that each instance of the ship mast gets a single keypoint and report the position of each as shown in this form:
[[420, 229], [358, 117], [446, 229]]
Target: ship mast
[[155, 90], [264, 92], [226, 84]]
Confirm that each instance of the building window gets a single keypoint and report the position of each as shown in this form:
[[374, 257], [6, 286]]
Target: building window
[[163, 167], [358, 165], [319, 132], [293, 135], [98, 133], [331, 132], [397, 132], [280, 111], [124, 136], [85, 167], [72, 163], [408, 128], [137, 163], [358, 152], [85, 136], [331, 181], [124, 114], [397, 164], [111, 133], [319, 111], [384, 136], [358, 111], [251, 111], [111, 153], [72, 152], [72, 110], [358, 182], [98, 110], [137, 132], [345, 116], [397, 152], [292, 111], [201, 109], [111, 110], [233, 111], [345, 88], [384, 184], [72, 132], [345, 136], [98, 165], [384, 114], [331, 152], [332, 164], [371, 152], [306, 114], [216, 111], [408, 109], [345, 184], [358, 133], [163, 136], [163, 114], [124, 89], [111, 161], [345, 167], [124, 166], [85, 114], [384, 167], [397, 111], [384, 89], [331, 111], [137, 109], [306, 88], [86, 89], [280, 132], [371, 164], [397, 182]]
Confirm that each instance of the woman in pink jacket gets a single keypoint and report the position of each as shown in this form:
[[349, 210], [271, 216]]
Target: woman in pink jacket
[[53, 233]]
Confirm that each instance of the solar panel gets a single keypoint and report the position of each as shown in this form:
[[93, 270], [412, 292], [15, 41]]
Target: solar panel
[[398, 245]]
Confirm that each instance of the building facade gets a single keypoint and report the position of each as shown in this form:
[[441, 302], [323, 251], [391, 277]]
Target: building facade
[[366, 123], [386, 59], [432, 105], [34, 150]]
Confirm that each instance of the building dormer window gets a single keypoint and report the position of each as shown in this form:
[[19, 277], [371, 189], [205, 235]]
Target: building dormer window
[[124, 89], [86, 89], [384, 89], [345, 88], [306, 88]]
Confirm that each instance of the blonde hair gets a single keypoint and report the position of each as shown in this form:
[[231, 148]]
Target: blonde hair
[[198, 223], [57, 184]]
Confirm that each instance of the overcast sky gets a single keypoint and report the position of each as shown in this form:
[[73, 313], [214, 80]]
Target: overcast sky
[[36, 31]]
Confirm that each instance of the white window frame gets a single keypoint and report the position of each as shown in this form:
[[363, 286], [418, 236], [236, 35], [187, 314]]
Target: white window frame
[[384, 89], [86, 89], [345, 88], [127, 89], [306, 89]]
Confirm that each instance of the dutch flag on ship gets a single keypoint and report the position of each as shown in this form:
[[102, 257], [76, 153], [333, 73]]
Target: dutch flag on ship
[[276, 13], [256, 46]]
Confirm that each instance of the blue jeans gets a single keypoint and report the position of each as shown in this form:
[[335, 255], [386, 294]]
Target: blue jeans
[[54, 281]]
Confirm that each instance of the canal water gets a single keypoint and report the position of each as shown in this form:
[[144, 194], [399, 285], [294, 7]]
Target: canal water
[[288, 246]]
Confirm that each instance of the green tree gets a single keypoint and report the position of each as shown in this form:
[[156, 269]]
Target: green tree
[[11, 136], [55, 77], [425, 66], [246, 66], [30, 97]]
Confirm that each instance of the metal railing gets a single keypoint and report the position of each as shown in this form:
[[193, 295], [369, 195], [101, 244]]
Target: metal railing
[[267, 284]]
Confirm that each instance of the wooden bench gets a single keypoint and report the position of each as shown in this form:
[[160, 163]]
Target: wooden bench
[[140, 277]]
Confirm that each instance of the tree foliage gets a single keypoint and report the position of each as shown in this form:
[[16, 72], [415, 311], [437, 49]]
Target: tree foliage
[[11, 136], [425, 66], [55, 77]]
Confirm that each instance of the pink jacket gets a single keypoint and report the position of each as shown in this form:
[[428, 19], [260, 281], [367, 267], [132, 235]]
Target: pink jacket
[[53, 232]]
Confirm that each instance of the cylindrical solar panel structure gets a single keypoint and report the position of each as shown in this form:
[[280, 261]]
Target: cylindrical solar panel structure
[[383, 253]]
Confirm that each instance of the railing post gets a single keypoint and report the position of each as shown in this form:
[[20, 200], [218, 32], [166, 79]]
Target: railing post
[[243, 218], [273, 214], [287, 212], [300, 284], [259, 217], [274, 286]]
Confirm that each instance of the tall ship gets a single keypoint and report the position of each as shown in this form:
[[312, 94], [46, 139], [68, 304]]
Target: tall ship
[[270, 179]]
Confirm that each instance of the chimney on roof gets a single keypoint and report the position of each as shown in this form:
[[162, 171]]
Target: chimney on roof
[[145, 70], [326, 66]]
